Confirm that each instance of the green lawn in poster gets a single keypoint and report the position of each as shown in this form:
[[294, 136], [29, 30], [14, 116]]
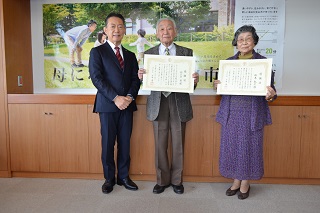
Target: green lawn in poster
[[207, 55]]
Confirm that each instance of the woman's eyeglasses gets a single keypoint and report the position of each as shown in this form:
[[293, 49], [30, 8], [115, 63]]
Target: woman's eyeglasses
[[247, 40]]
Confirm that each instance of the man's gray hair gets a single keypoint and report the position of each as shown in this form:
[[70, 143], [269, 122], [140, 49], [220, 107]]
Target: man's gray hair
[[167, 18]]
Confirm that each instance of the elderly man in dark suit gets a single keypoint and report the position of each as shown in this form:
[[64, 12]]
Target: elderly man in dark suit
[[113, 71], [169, 112]]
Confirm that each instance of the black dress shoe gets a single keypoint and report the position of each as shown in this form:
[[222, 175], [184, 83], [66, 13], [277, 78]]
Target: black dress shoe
[[179, 189], [107, 187], [157, 189], [127, 183], [231, 192], [242, 195]]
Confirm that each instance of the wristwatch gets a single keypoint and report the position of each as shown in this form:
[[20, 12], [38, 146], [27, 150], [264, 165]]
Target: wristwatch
[[131, 96]]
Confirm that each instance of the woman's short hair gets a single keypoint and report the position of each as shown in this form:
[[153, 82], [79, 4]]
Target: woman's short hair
[[244, 29], [141, 32], [99, 36]]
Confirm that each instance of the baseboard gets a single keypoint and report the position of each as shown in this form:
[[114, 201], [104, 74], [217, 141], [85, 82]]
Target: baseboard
[[5, 174], [293, 181]]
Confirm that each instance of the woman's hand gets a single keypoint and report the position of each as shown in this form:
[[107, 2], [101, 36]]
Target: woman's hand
[[215, 83], [270, 93], [195, 76]]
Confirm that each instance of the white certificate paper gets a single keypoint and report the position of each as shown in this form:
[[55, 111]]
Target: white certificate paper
[[169, 73], [244, 77]]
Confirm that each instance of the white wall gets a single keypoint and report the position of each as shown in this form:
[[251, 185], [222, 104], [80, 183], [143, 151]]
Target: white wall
[[301, 74]]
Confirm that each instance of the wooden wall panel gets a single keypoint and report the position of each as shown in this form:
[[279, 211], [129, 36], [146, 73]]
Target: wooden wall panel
[[216, 143], [142, 142], [282, 142], [3, 104], [198, 155], [67, 136], [310, 143], [18, 50], [95, 165], [28, 141]]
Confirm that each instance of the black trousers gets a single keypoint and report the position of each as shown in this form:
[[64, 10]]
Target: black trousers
[[116, 126]]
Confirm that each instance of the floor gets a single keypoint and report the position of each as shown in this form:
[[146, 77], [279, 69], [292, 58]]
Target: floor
[[77, 195]]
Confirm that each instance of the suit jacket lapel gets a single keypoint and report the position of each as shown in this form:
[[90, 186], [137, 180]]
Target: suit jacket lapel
[[155, 51], [125, 56], [178, 50]]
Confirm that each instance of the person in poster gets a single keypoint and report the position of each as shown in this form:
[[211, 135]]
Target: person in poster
[[75, 38], [140, 42], [113, 71], [101, 38], [169, 112], [242, 120]]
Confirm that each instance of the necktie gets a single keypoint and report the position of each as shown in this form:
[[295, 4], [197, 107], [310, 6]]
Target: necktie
[[119, 57], [166, 94], [166, 52]]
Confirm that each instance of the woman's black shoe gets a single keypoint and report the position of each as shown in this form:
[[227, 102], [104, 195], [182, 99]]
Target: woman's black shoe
[[243, 196], [231, 192]]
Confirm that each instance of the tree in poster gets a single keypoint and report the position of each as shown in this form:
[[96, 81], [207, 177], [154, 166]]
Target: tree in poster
[[185, 14], [52, 13], [99, 11]]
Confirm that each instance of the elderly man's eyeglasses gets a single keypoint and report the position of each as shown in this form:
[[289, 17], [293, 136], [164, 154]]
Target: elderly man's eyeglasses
[[246, 40]]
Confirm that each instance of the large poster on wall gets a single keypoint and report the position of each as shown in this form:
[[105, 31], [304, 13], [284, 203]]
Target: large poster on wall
[[204, 26]]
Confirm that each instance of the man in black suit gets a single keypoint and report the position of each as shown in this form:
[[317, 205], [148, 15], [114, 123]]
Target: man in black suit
[[113, 71], [169, 112]]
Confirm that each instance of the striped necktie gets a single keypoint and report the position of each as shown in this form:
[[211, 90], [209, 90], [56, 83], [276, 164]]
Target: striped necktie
[[166, 94], [119, 57], [166, 52]]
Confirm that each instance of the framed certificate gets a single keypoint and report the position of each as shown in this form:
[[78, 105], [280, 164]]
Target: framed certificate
[[244, 77], [168, 73]]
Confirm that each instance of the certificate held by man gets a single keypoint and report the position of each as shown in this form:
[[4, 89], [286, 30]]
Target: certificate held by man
[[169, 73], [244, 77]]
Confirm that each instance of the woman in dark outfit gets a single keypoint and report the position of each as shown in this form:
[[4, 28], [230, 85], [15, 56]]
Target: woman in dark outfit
[[242, 120]]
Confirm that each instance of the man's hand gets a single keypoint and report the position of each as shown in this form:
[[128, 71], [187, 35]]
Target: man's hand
[[141, 71], [122, 102]]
